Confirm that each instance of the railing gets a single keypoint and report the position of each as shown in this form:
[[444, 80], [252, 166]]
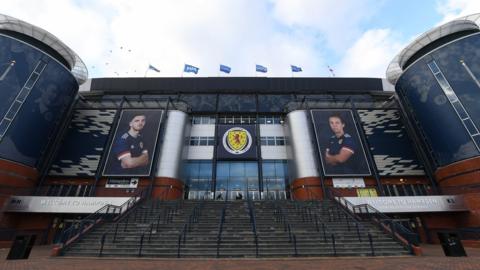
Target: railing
[[310, 215], [358, 212], [192, 219], [281, 217], [253, 221], [107, 212], [220, 229], [395, 227]]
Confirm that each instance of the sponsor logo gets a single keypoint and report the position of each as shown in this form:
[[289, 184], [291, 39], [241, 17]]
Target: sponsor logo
[[237, 140]]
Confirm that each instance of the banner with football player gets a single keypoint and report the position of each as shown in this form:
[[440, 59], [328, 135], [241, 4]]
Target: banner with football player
[[133, 147], [236, 142], [341, 150]]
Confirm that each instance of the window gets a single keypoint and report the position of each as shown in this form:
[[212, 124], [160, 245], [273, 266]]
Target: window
[[405, 190], [272, 141], [237, 119], [203, 120], [202, 141], [68, 190], [270, 120], [198, 174]]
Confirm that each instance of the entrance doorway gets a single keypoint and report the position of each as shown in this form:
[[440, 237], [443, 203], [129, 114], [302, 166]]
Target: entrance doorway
[[237, 180]]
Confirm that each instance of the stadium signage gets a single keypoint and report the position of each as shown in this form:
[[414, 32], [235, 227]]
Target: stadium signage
[[412, 204], [236, 142], [44, 204]]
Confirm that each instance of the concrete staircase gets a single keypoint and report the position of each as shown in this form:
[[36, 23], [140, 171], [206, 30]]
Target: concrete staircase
[[284, 228]]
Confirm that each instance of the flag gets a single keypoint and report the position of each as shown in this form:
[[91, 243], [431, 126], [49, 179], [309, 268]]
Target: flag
[[295, 68], [331, 70], [260, 68], [153, 68], [225, 69], [190, 68]]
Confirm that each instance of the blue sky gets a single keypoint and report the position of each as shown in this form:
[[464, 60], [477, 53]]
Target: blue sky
[[120, 38]]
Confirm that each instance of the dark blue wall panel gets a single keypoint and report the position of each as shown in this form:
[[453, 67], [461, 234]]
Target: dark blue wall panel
[[84, 143], [392, 150], [37, 122]]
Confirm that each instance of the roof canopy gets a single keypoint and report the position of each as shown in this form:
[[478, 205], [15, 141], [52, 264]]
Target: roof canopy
[[396, 67], [78, 68]]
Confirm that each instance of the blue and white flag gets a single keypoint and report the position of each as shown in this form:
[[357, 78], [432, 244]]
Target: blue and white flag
[[190, 68], [295, 68], [260, 68], [225, 69], [153, 68]]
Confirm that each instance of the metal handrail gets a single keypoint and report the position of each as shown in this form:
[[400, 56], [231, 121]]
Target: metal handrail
[[192, 218], [398, 232], [287, 227], [408, 235], [253, 221], [314, 218], [77, 230], [220, 229]]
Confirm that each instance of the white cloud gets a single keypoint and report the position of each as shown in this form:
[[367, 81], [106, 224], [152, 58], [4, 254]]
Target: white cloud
[[337, 21], [452, 9], [370, 54], [167, 34]]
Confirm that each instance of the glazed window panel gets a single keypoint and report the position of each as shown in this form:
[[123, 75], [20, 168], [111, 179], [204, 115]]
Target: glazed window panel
[[201, 103], [273, 103], [237, 103]]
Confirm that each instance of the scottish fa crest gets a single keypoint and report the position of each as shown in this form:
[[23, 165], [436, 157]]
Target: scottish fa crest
[[237, 140]]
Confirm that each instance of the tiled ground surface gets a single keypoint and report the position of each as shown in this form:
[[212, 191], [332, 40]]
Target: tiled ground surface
[[433, 259]]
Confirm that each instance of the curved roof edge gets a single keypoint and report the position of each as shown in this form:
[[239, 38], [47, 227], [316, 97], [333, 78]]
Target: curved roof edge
[[78, 68], [395, 69]]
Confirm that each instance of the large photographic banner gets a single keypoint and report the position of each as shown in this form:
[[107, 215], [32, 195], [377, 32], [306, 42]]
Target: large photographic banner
[[340, 147], [133, 146], [236, 142]]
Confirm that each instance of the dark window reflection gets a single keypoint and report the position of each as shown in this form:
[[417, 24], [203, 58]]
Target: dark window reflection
[[438, 121], [237, 103], [200, 102], [273, 103]]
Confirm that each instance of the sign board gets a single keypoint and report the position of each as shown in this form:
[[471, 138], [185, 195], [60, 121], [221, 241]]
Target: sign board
[[122, 183], [348, 182], [412, 204], [44, 204], [236, 142]]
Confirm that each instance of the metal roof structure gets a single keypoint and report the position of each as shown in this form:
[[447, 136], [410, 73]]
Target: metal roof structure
[[397, 66], [78, 68]]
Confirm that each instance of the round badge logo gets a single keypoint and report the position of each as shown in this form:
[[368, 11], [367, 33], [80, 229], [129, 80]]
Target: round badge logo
[[237, 140]]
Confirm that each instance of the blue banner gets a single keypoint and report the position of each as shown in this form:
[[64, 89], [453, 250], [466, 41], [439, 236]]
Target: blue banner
[[295, 68], [260, 68], [190, 68], [225, 69]]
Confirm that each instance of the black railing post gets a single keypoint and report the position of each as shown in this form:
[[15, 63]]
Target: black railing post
[[316, 222], [115, 234], [358, 232], [295, 245], [178, 245], [289, 233], [126, 224], [150, 234], [102, 242], [324, 233], [371, 244], [141, 245], [333, 245]]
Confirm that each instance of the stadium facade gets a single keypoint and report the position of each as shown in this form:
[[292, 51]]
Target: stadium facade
[[408, 146]]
